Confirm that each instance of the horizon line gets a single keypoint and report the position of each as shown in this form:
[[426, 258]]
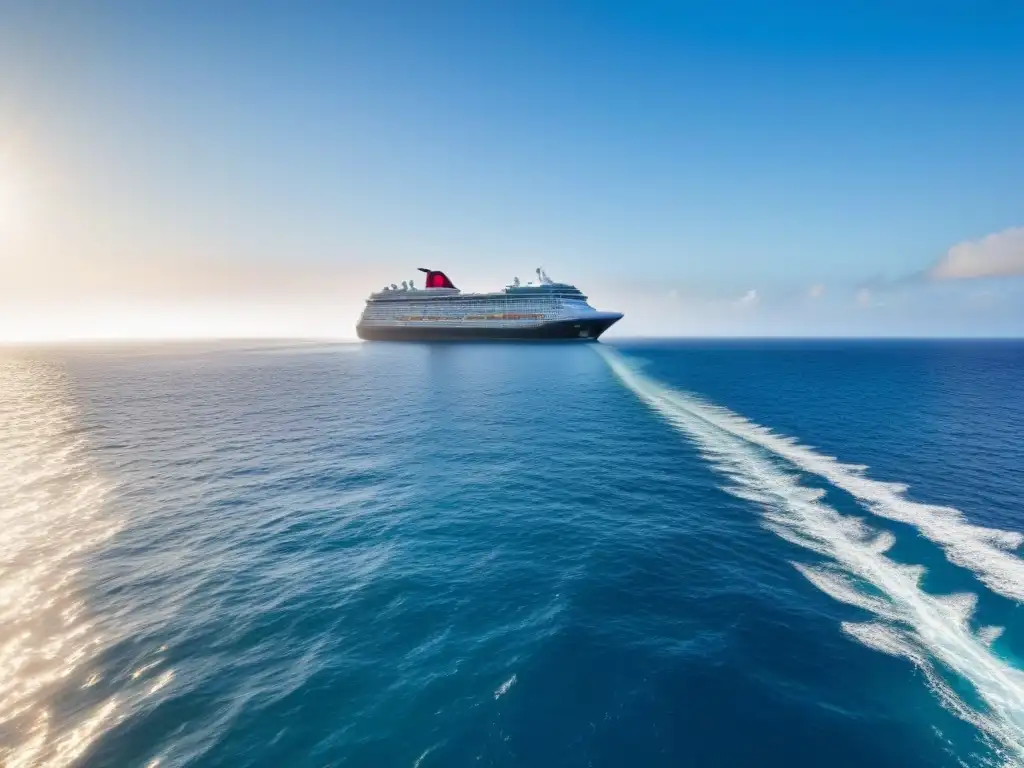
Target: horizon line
[[135, 340]]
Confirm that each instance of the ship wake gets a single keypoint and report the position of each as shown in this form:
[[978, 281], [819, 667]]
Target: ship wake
[[932, 632]]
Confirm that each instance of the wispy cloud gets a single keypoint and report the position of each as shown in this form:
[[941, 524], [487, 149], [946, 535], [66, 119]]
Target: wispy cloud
[[997, 255], [748, 299], [863, 297], [816, 291]]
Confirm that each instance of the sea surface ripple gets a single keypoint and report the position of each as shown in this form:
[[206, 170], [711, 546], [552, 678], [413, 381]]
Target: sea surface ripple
[[658, 554]]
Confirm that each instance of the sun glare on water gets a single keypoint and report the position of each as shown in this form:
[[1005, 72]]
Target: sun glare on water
[[56, 697]]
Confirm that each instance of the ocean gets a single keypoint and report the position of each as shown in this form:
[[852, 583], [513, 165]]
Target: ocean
[[642, 553]]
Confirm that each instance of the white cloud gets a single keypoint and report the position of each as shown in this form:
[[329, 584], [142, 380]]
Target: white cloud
[[748, 299], [863, 297], [996, 255], [816, 291]]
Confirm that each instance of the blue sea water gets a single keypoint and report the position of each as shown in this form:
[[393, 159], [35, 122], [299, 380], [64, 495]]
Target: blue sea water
[[631, 554]]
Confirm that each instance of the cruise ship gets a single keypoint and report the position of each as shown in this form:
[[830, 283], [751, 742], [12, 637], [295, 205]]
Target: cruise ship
[[441, 312]]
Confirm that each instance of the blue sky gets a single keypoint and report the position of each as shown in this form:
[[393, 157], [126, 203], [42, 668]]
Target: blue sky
[[734, 167]]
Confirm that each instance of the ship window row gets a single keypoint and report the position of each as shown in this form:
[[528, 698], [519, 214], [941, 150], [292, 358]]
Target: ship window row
[[459, 309], [399, 298]]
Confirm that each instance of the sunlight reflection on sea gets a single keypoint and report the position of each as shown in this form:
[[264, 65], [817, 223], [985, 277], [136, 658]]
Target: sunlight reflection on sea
[[51, 511]]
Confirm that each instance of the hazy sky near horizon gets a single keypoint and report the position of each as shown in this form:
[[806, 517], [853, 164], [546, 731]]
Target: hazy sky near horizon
[[198, 168]]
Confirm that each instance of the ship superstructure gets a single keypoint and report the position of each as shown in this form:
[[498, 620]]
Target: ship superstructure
[[441, 312]]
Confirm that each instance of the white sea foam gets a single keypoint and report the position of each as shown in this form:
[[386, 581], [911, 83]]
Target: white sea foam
[[988, 553], [424, 753], [504, 687], [908, 623]]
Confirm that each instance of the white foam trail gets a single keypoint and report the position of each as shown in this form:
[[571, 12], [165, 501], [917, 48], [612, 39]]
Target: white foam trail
[[840, 588], [423, 755], [885, 639], [988, 553], [989, 634], [910, 623], [504, 687]]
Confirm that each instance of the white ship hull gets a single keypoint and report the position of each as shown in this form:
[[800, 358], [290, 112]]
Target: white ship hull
[[440, 312]]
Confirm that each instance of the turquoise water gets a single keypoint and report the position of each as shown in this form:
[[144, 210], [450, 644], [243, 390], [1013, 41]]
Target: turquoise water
[[513, 555]]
